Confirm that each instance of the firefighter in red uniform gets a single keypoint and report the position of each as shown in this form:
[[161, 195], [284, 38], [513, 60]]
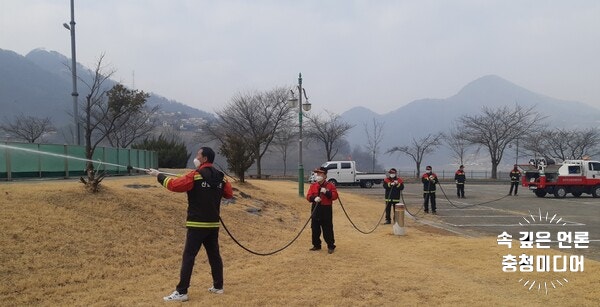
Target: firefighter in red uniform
[[515, 175], [392, 185], [460, 178], [321, 195], [429, 180], [205, 186]]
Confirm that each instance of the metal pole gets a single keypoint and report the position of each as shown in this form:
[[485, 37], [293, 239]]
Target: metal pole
[[300, 166], [398, 226], [517, 158], [74, 75]]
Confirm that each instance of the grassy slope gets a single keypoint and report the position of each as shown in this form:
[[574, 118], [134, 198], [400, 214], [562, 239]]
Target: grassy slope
[[62, 246]]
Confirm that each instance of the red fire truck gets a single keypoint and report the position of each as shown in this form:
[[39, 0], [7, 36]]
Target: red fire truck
[[572, 176]]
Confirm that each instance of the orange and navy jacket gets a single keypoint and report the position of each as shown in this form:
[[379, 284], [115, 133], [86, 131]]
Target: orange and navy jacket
[[460, 177], [327, 198], [392, 192], [205, 187], [429, 181], [515, 174]]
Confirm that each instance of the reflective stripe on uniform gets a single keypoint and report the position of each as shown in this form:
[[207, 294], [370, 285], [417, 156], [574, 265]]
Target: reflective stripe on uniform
[[392, 200], [166, 182], [202, 224]]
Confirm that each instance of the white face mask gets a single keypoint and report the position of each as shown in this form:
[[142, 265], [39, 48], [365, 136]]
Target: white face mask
[[428, 171], [319, 178], [196, 162], [392, 175]]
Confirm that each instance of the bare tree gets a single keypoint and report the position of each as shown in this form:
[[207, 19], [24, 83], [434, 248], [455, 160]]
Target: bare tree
[[419, 148], [253, 118], [28, 128], [457, 142], [564, 143], [534, 145], [284, 137], [549, 143], [329, 130], [94, 112], [374, 139], [495, 129], [587, 144]]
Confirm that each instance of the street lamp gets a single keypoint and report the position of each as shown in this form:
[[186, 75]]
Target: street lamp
[[71, 28], [297, 102]]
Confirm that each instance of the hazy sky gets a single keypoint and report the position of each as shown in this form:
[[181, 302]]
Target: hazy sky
[[378, 54]]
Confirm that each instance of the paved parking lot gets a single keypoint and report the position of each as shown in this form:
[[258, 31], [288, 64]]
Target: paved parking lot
[[488, 211]]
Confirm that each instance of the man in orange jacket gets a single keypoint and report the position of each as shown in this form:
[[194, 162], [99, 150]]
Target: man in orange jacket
[[515, 176], [429, 180], [460, 178], [321, 195], [205, 186], [393, 186]]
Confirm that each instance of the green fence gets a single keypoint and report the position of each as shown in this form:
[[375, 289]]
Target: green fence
[[26, 160]]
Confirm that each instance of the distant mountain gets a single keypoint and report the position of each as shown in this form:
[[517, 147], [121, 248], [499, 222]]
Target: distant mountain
[[425, 116], [359, 116], [56, 63], [25, 88], [39, 84]]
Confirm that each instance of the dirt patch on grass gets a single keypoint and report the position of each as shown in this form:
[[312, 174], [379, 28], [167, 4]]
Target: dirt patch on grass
[[60, 245], [139, 186]]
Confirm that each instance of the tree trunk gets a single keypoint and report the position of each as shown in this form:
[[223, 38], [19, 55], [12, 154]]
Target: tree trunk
[[258, 164], [373, 164], [239, 173], [495, 170]]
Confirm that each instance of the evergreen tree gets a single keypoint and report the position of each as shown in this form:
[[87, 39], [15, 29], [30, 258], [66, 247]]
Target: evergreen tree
[[171, 153]]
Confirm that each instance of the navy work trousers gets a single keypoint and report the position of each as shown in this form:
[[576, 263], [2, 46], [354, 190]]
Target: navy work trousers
[[196, 237]]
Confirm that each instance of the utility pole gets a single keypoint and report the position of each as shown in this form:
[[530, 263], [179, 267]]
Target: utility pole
[[300, 165], [71, 28], [294, 102]]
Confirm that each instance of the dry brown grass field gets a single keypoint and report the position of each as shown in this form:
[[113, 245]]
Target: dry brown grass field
[[61, 246]]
